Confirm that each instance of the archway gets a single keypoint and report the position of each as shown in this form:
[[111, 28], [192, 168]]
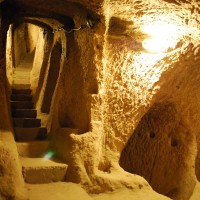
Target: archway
[[21, 45]]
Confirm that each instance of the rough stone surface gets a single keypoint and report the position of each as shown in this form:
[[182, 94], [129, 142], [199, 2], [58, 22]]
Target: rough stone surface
[[11, 181], [162, 141], [58, 191], [41, 170], [135, 113]]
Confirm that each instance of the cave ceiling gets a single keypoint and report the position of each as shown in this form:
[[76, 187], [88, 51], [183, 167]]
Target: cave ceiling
[[138, 12]]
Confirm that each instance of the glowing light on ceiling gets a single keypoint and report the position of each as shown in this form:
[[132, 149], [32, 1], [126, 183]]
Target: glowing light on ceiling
[[49, 155], [162, 36]]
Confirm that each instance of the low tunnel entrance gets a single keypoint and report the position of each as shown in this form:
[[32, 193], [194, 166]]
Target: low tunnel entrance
[[21, 45]]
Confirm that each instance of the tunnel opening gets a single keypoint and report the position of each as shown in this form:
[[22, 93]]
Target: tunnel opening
[[25, 38], [21, 45], [160, 151]]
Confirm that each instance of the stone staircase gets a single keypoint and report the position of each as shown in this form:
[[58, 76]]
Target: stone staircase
[[26, 126], [33, 147]]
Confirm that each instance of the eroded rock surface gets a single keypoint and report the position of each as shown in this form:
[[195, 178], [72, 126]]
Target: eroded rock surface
[[116, 113]]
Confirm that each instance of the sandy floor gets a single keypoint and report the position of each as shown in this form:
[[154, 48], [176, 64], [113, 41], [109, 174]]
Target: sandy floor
[[125, 194], [57, 191], [71, 191]]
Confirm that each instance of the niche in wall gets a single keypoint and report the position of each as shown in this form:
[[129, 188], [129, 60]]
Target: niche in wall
[[52, 77]]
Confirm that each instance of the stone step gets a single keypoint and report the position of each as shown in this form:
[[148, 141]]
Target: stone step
[[21, 81], [27, 60], [21, 73], [30, 134], [21, 91], [19, 77], [24, 65], [24, 113], [28, 56], [26, 122], [40, 170], [21, 97], [22, 70], [21, 86], [33, 149], [22, 104]]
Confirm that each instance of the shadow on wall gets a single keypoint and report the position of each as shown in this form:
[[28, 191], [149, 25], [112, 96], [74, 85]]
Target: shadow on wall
[[197, 166], [52, 77], [162, 150], [71, 99]]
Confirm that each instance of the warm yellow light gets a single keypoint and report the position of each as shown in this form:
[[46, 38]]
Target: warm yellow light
[[155, 45], [161, 36]]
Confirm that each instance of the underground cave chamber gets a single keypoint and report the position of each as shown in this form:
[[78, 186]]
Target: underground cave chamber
[[99, 100]]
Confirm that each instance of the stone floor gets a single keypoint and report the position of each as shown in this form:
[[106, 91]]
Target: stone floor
[[71, 191]]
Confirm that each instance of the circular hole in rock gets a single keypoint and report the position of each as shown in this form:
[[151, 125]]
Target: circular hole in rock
[[174, 143], [152, 135]]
